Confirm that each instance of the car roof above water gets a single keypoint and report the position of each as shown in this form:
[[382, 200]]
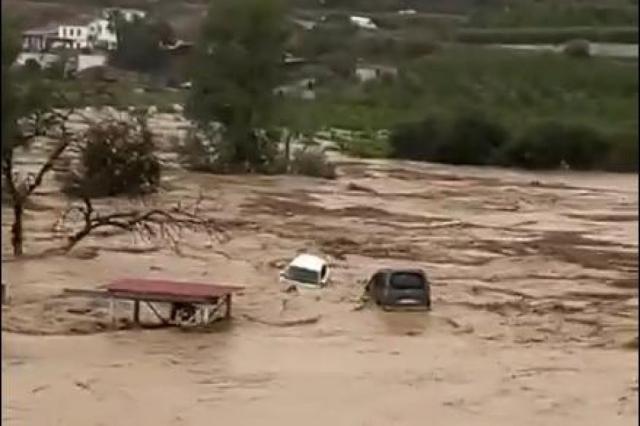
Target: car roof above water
[[308, 261], [401, 271]]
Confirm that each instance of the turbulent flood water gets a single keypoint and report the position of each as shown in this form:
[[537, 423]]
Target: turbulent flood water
[[534, 317]]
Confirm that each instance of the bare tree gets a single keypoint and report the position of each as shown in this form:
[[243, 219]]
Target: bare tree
[[50, 123], [147, 222]]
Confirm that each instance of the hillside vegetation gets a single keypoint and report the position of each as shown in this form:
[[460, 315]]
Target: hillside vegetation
[[443, 72]]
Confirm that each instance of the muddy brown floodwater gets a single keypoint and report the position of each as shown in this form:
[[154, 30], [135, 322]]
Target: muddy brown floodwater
[[535, 297]]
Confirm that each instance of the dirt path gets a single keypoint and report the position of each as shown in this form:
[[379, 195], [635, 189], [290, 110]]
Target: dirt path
[[534, 322]]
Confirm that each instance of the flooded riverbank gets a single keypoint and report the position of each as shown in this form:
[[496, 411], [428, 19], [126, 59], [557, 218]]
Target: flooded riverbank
[[534, 305]]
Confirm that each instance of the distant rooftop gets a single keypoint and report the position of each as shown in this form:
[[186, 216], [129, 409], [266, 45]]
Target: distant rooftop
[[80, 21], [46, 30]]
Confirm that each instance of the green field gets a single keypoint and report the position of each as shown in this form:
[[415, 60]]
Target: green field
[[513, 86], [546, 35]]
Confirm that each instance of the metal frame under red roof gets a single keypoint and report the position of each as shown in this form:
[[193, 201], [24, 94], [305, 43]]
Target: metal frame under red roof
[[158, 287]]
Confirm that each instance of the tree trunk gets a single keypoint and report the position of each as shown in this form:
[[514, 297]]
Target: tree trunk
[[287, 151], [16, 228]]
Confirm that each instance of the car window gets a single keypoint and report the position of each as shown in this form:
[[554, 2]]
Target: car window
[[407, 281], [302, 275], [323, 272]]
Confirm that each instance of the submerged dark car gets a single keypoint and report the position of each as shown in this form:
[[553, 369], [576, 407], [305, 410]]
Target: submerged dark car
[[400, 288]]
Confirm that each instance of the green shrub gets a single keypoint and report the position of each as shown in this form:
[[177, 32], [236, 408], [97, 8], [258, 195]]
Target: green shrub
[[117, 158], [418, 141], [366, 146], [342, 64], [469, 138], [211, 150], [200, 151], [548, 145], [415, 47], [32, 66], [377, 46], [556, 14], [312, 162], [578, 48], [623, 155], [472, 138], [547, 35]]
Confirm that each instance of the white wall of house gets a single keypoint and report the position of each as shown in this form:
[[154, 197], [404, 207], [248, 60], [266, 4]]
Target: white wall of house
[[78, 33], [366, 74], [101, 34], [363, 22], [90, 61], [371, 72], [43, 59]]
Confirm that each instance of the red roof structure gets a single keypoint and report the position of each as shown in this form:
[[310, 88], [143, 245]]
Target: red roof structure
[[170, 288]]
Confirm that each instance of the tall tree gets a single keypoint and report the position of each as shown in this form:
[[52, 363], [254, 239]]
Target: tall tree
[[10, 50], [238, 64], [139, 43], [27, 112]]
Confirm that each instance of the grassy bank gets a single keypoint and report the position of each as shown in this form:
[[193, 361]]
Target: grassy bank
[[544, 35], [556, 14], [515, 90], [517, 87]]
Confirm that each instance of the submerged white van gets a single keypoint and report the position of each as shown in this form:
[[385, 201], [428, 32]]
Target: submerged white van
[[306, 271]]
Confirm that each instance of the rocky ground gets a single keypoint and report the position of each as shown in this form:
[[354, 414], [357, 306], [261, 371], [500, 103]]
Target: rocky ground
[[535, 297]]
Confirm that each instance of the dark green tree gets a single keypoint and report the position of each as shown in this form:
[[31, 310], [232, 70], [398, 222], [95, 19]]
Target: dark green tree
[[140, 43], [10, 50], [237, 66], [27, 112]]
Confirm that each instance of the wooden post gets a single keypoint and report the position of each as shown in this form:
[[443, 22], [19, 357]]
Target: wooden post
[[112, 313], [205, 313], [228, 302], [136, 312]]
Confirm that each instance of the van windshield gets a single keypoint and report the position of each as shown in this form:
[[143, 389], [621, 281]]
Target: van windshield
[[302, 275], [407, 281]]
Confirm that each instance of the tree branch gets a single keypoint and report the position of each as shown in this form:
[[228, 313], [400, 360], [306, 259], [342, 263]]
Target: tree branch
[[148, 224]]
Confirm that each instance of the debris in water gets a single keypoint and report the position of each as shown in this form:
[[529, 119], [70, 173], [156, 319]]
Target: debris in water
[[284, 323]]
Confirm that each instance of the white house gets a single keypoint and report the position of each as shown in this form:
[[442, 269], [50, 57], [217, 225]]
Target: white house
[[77, 34], [39, 39], [86, 33], [43, 59], [102, 35], [83, 62], [363, 22], [368, 72]]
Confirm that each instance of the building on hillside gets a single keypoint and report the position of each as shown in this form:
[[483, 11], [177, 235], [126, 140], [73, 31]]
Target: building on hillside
[[41, 39], [370, 72], [85, 33], [77, 32], [43, 59], [363, 22], [102, 34]]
